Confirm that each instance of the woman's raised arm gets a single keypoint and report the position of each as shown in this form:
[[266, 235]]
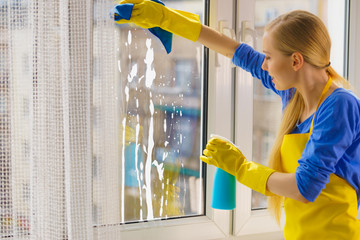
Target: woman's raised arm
[[217, 41]]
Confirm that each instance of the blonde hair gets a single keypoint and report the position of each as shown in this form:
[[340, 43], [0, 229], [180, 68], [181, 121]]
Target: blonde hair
[[303, 32]]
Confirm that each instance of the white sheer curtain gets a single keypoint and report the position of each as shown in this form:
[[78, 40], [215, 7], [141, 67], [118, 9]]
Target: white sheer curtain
[[45, 143], [106, 105]]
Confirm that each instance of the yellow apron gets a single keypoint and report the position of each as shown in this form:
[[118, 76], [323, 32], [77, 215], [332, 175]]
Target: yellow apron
[[333, 215]]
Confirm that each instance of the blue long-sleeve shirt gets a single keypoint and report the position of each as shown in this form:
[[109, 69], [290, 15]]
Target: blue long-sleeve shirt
[[334, 145]]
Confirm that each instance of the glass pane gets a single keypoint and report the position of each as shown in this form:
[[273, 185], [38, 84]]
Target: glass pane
[[267, 105], [147, 111]]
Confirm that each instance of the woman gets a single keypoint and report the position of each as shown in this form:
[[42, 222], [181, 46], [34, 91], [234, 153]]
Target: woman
[[315, 162]]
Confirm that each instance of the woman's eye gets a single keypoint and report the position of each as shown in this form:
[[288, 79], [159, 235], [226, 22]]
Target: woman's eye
[[267, 58]]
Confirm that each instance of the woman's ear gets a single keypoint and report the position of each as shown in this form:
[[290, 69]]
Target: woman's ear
[[297, 61]]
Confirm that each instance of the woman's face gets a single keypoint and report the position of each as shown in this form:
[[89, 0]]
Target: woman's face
[[279, 66]]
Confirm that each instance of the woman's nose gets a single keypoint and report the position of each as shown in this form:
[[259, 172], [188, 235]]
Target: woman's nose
[[264, 65]]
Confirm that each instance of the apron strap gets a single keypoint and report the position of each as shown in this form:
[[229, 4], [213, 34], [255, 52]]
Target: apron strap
[[325, 90]]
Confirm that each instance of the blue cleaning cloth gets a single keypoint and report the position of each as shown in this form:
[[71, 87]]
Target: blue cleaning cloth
[[123, 11], [164, 36]]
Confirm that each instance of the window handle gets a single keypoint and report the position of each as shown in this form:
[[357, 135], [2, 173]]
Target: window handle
[[223, 27], [247, 34]]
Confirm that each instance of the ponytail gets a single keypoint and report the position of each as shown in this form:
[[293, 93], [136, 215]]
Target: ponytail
[[291, 116]]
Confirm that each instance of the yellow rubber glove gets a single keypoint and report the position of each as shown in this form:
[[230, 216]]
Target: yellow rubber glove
[[149, 14], [225, 155]]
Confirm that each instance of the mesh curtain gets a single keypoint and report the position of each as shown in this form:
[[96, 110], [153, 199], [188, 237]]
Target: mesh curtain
[[45, 142], [106, 98]]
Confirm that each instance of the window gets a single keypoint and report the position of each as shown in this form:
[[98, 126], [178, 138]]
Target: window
[[262, 108], [146, 123]]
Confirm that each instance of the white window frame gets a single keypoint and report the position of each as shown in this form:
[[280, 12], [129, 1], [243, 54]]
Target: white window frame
[[246, 220], [232, 89], [354, 39], [354, 48]]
